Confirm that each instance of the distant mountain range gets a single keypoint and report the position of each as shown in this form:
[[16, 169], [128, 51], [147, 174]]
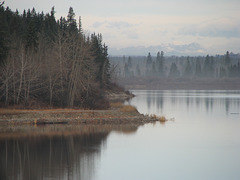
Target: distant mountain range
[[192, 49]]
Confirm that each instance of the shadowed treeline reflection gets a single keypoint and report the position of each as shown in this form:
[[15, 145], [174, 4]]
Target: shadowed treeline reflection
[[71, 156]]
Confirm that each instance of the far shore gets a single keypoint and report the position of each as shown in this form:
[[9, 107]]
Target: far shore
[[180, 83]]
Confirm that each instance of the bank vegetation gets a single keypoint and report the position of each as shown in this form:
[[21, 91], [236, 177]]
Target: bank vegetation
[[46, 62]]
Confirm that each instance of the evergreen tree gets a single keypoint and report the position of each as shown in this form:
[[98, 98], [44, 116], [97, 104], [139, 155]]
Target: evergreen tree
[[138, 70], [222, 72], [149, 65], [233, 71], [3, 34], [188, 69], [198, 70], [101, 59], [158, 59], [31, 36], [162, 55], [149, 60], [153, 71], [238, 69], [106, 67], [227, 60], [130, 62], [50, 26], [126, 70], [206, 67], [174, 72], [71, 21], [212, 66], [160, 63]]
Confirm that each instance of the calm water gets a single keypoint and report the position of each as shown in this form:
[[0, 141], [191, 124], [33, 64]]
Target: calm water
[[202, 143]]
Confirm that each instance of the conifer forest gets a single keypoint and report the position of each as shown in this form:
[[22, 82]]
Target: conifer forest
[[163, 72]]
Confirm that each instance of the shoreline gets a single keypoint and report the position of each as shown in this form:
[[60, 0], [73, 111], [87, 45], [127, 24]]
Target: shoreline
[[16, 122], [148, 83]]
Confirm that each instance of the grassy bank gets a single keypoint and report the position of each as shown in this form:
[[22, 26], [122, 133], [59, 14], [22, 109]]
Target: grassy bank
[[13, 121]]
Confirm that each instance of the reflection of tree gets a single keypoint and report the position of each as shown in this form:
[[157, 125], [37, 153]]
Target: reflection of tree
[[149, 101], [59, 157], [173, 100], [160, 101], [211, 103], [127, 129], [187, 101], [207, 104], [238, 103], [227, 105], [197, 100], [71, 155]]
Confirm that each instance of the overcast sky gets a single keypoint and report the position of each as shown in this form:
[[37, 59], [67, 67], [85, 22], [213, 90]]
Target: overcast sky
[[212, 24]]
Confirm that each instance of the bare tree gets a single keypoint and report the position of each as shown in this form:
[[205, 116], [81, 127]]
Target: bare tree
[[82, 69]]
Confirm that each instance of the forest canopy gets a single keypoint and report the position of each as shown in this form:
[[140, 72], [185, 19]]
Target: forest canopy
[[49, 61]]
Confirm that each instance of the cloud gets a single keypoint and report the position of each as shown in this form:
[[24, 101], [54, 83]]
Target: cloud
[[98, 24], [227, 28], [112, 24], [119, 24], [130, 34]]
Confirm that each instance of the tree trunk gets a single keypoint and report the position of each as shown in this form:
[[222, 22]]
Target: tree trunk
[[21, 76]]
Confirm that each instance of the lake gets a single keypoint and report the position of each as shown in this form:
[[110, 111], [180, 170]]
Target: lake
[[201, 141]]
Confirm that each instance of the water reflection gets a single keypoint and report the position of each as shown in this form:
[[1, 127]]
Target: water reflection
[[149, 100], [218, 100], [58, 157], [160, 101], [53, 156]]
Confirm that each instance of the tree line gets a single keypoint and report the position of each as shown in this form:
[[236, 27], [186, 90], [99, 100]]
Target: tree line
[[159, 66], [49, 61]]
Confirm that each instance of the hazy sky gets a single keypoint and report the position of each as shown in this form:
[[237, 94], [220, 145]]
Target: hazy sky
[[213, 24]]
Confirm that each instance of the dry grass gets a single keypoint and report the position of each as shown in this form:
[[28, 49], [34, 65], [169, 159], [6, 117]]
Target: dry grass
[[162, 119], [128, 108], [122, 107], [19, 111], [116, 105], [11, 111]]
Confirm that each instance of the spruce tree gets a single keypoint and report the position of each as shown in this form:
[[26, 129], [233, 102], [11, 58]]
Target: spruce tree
[[149, 59], [160, 63], [227, 59], [138, 70], [174, 72], [71, 21], [130, 62], [3, 34], [198, 70], [188, 69]]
